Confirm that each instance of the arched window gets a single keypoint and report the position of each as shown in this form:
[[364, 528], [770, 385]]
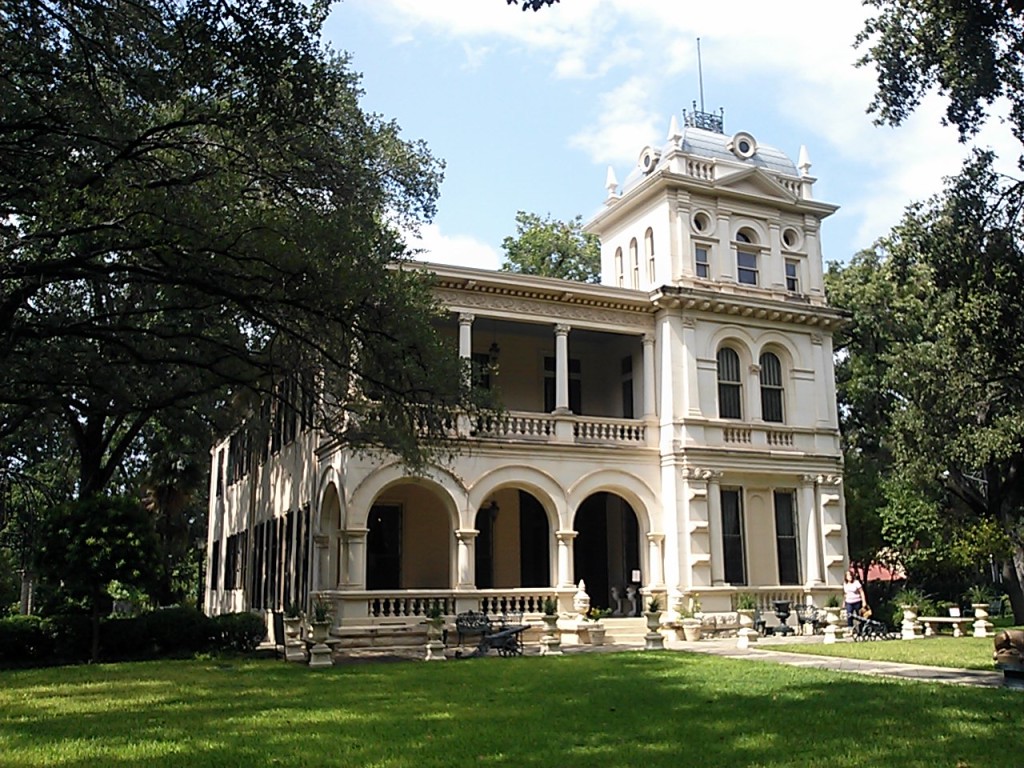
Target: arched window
[[649, 253], [771, 388], [746, 259], [634, 262], [618, 266], [729, 388]]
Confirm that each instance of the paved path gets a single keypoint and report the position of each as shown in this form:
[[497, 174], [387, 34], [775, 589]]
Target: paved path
[[727, 648]]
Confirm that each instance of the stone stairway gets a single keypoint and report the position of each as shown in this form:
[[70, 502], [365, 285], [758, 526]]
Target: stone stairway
[[625, 631]]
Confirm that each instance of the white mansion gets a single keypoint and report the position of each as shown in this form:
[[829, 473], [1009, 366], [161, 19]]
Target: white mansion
[[668, 432]]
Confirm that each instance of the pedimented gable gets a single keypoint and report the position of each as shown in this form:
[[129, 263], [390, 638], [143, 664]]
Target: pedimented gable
[[753, 181]]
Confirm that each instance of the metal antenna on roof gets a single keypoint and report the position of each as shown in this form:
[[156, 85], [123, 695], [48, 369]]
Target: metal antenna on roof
[[700, 76]]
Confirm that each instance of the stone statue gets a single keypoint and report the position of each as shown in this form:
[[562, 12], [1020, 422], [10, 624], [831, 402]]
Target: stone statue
[[1009, 645]]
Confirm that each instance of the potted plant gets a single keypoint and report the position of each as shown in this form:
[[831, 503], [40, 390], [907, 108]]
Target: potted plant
[[292, 620], [434, 621], [594, 628], [746, 605], [551, 641], [320, 621], [691, 622]]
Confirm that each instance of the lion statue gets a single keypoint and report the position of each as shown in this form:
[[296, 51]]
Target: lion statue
[[1009, 647]]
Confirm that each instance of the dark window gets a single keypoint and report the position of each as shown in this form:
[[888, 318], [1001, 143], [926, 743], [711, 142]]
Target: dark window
[[746, 261], [215, 566], [786, 537], [481, 362], [534, 570], [575, 389], [771, 388], [729, 389], [792, 280], [703, 265], [626, 368], [485, 520], [732, 536]]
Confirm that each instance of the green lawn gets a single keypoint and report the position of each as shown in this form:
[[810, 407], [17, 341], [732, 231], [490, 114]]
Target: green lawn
[[942, 651], [610, 710]]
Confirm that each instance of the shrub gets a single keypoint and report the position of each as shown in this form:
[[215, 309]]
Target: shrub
[[242, 632], [177, 631], [71, 635], [23, 641], [126, 638]]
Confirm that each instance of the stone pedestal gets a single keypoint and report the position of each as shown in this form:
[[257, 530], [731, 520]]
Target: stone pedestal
[[745, 637], [551, 640], [982, 626], [653, 640], [294, 648], [435, 647], [908, 628]]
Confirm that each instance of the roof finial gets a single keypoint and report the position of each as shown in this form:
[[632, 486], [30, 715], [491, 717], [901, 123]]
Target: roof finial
[[674, 134], [700, 76], [611, 183], [804, 161]]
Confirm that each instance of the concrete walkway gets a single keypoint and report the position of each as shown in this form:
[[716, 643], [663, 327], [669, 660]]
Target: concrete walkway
[[778, 655]]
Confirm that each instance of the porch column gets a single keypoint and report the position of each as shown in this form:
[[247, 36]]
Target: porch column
[[562, 368], [466, 557], [650, 394], [565, 539], [355, 562], [715, 529], [466, 334], [808, 509], [656, 571], [321, 561]]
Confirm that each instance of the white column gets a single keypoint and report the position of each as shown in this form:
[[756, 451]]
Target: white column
[[561, 369], [723, 266], [690, 377], [813, 247], [466, 558], [655, 557], [825, 407], [565, 539], [650, 394], [465, 335], [808, 509], [355, 539], [715, 529]]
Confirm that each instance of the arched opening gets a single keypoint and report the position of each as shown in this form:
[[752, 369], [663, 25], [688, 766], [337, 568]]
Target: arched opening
[[512, 546], [606, 552], [330, 531], [408, 541]]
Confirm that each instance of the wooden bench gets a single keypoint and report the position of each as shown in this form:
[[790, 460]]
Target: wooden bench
[[505, 635], [931, 623]]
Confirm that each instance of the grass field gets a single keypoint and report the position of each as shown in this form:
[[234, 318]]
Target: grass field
[[613, 710], [943, 651]]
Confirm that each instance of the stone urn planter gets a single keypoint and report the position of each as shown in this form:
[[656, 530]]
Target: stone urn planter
[[318, 631], [746, 633], [831, 622], [653, 640], [595, 631], [908, 627], [692, 630], [551, 640], [982, 626], [294, 648]]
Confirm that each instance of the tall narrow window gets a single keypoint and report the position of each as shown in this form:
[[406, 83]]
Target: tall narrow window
[[618, 267], [649, 253], [771, 388], [732, 536], [702, 264], [729, 388], [384, 547], [792, 276], [746, 260], [786, 537], [626, 370], [575, 385], [634, 262]]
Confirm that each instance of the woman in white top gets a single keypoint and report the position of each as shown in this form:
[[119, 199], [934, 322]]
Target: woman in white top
[[853, 596]]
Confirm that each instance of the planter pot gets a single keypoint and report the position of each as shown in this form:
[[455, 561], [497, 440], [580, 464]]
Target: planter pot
[[596, 633], [691, 630], [746, 617], [292, 627], [653, 620], [434, 631], [318, 631]]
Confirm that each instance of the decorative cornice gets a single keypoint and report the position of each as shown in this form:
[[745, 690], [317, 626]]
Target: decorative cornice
[[608, 313]]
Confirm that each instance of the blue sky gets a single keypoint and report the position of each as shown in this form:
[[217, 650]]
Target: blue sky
[[528, 110]]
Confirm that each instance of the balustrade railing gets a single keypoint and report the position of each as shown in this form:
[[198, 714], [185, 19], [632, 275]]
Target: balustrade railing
[[516, 425], [610, 431], [736, 435], [779, 438]]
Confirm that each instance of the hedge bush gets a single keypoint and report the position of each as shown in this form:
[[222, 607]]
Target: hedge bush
[[242, 632], [64, 639]]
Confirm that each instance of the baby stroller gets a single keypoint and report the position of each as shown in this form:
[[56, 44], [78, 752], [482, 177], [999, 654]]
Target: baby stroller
[[866, 628]]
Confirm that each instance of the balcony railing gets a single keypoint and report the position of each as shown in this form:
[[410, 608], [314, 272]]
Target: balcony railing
[[545, 427]]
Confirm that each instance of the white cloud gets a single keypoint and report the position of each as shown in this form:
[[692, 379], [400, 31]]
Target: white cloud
[[626, 124], [457, 250]]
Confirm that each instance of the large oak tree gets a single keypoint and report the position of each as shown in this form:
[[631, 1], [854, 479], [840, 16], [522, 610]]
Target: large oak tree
[[194, 209]]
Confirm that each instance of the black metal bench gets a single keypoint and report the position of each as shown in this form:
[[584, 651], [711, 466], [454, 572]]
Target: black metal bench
[[504, 635]]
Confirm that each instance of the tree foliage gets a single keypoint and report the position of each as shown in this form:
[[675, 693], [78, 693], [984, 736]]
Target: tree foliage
[[88, 543], [931, 372], [532, 5], [552, 248], [971, 51], [193, 206]]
